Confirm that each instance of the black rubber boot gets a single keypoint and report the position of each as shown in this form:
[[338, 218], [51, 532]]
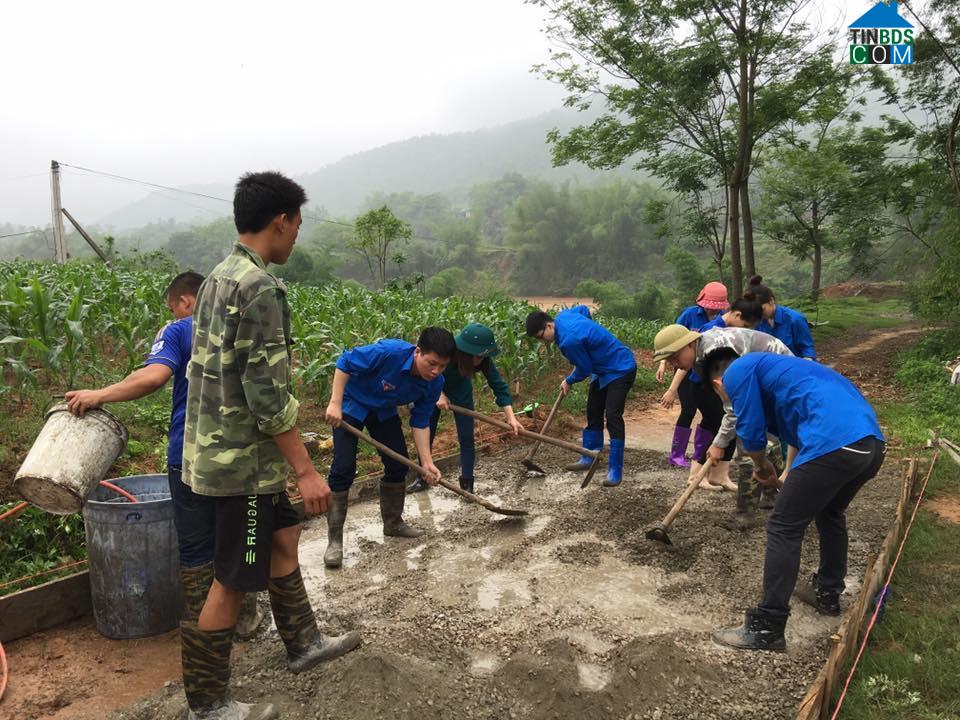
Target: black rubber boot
[[758, 632], [392, 496], [823, 601], [196, 582], [466, 484], [745, 487], [336, 517], [418, 485], [306, 645], [206, 677]]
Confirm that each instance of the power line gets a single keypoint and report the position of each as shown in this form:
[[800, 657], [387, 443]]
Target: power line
[[18, 234]]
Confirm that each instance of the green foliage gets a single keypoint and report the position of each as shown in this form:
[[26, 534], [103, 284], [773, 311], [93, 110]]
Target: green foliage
[[36, 541], [689, 277], [375, 232], [201, 248], [307, 267], [446, 283]]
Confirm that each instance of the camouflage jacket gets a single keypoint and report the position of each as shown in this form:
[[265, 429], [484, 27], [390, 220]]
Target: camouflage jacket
[[741, 341], [239, 393]]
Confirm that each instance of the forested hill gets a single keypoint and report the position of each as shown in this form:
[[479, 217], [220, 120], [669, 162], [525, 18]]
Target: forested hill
[[448, 164]]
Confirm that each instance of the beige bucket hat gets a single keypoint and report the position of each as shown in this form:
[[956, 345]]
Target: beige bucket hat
[[671, 339]]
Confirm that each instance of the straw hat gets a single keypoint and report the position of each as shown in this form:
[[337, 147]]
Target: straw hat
[[671, 339]]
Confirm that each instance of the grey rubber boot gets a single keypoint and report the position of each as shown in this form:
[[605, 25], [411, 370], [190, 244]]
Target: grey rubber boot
[[392, 496], [758, 632], [297, 626], [336, 516], [195, 582]]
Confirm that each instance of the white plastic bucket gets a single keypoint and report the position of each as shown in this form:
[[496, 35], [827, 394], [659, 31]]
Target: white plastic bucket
[[68, 458]]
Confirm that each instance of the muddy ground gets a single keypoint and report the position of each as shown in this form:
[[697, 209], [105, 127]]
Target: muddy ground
[[568, 613]]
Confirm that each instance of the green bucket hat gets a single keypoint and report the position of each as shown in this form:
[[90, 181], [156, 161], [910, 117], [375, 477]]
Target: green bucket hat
[[671, 339], [477, 339]]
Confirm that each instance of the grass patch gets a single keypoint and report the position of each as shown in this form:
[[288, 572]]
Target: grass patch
[[911, 670], [844, 315]]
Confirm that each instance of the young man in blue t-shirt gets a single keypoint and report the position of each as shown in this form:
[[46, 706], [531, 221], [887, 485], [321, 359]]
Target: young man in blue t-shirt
[[369, 383], [594, 353], [836, 446], [169, 356]]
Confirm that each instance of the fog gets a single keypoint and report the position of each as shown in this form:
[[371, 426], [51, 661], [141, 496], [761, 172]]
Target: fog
[[188, 93]]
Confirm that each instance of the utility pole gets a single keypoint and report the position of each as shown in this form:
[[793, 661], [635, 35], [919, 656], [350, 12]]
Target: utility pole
[[60, 248]]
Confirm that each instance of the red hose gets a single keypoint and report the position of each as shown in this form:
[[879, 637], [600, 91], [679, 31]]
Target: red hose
[[110, 486], [14, 511], [3, 668]]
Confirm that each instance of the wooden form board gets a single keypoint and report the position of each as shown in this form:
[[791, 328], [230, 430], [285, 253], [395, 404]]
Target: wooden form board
[[44, 606], [846, 640]]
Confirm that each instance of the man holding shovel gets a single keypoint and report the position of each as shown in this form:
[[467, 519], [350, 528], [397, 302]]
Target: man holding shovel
[[596, 353], [369, 383], [839, 448]]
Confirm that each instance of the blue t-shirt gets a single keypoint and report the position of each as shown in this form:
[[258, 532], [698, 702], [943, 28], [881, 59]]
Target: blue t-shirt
[[381, 379], [717, 322], [808, 405], [792, 330], [693, 318], [590, 348], [172, 348]]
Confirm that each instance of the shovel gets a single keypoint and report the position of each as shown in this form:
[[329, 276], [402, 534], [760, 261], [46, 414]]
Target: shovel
[[423, 473], [528, 462], [659, 533], [595, 454]]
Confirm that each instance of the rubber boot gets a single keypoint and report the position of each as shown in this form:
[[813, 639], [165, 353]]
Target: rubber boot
[[824, 602], [336, 516], [705, 483], [205, 655], [678, 449], [719, 476], [592, 440], [614, 464], [744, 487], [418, 485], [306, 645], [768, 497], [196, 582], [250, 617], [392, 496], [758, 632], [466, 484], [701, 441]]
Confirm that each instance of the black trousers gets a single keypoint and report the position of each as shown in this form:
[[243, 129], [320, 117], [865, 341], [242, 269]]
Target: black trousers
[[688, 403], [609, 403], [820, 491], [343, 468]]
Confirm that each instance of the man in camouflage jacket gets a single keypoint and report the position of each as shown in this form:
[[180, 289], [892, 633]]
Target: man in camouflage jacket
[[240, 441]]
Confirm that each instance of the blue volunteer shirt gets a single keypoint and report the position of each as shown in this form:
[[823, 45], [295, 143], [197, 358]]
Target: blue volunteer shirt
[[791, 328], [172, 348], [810, 406], [693, 318], [381, 379], [717, 322], [590, 348]]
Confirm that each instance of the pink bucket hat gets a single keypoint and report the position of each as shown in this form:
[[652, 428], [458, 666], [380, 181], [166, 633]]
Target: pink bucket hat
[[713, 296]]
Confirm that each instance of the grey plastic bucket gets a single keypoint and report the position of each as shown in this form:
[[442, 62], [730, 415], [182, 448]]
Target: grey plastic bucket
[[68, 458], [133, 558]]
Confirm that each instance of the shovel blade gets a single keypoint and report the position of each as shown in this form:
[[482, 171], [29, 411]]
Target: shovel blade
[[659, 534], [533, 467]]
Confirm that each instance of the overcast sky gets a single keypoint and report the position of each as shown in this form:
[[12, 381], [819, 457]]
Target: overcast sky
[[192, 92]]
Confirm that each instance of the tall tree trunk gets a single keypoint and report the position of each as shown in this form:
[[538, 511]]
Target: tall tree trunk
[[748, 257], [817, 249], [733, 211]]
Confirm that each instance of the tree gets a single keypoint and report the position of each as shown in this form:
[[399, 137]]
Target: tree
[[374, 234], [690, 87]]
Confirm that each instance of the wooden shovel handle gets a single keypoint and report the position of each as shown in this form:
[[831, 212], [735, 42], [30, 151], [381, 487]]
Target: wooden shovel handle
[[687, 492], [526, 433], [546, 425]]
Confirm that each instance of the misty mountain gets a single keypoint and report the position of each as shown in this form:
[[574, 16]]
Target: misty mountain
[[449, 164]]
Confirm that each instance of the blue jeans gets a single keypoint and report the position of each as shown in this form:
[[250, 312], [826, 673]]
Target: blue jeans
[[468, 453], [193, 516]]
